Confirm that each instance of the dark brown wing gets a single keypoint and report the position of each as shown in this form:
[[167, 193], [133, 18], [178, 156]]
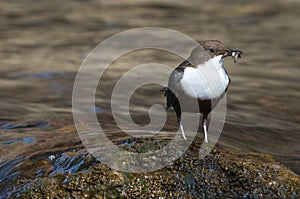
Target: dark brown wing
[[171, 92]]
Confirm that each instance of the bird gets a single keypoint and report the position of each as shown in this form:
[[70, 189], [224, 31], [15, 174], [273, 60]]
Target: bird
[[195, 79]]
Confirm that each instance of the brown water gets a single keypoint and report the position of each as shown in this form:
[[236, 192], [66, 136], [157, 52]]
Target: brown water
[[43, 44]]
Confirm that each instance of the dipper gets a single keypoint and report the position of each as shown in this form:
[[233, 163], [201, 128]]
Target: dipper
[[201, 78]]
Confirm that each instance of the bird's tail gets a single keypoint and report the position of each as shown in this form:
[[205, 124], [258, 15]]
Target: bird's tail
[[165, 90], [171, 97]]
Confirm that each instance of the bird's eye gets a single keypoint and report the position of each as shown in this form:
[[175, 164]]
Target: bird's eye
[[212, 50]]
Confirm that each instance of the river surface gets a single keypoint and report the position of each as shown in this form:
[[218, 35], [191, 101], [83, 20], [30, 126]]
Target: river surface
[[42, 45]]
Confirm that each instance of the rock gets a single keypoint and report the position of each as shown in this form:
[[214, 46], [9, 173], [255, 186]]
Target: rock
[[221, 174]]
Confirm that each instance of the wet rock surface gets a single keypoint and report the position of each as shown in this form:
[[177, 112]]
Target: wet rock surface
[[221, 174]]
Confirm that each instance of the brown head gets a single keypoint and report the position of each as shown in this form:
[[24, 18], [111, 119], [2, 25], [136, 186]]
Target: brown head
[[209, 49], [214, 47]]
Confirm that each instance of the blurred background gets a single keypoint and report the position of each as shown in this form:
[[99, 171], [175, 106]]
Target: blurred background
[[43, 43]]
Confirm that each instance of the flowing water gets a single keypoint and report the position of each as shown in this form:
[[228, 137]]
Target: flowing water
[[43, 44]]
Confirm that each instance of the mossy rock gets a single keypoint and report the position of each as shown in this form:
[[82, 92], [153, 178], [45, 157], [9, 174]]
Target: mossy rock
[[221, 174]]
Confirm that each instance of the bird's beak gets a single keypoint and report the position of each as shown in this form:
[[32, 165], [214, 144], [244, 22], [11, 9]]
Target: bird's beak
[[236, 54]]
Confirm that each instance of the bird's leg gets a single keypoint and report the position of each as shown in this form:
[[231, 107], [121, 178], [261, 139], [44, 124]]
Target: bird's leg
[[181, 127], [204, 121]]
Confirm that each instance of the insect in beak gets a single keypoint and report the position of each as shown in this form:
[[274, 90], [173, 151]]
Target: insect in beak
[[236, 54]]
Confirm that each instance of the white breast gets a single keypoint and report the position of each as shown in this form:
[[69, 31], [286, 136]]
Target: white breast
[[207, 81]]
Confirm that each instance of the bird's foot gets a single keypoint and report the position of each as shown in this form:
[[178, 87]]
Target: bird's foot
[[206, 140], [205, 131], [181, 129]]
